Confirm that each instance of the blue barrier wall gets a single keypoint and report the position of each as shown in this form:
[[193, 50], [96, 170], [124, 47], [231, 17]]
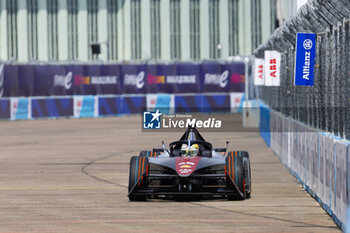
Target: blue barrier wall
[[4, 109], [319, 160], [133, 104], [264, 125], [109, 106], [58, 107], [95, 106]]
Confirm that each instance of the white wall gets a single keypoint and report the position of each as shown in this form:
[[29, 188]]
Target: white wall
[[300, 3], [224, 30], [3, 31], [102, 28], [145, 29], [204, 22], [185, 30], [165, 29], [82, 31], [126, 31], [42, 31], [124, 28], [62, 20], [22, 36]]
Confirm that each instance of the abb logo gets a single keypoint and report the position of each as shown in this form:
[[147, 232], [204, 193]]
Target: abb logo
[[273, 67], [261, 71]]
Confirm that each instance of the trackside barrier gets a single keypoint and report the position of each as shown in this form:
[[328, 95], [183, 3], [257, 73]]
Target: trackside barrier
[[113, 105], [52, 108], [319, 161], [29, 80], [4, 109], [264, 125]]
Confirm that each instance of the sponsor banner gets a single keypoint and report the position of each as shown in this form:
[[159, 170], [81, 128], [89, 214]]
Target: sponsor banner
[[20, 108], [215, 77], [74, 82], [272, 68], [164, 102], [259, 79], [87, 79], [52, 107], [84, 80], [236, 102], [61, 80], [156, 82], [96, 80], [2, 77], [187, 78], [58, 80], [85, 106], [305, 59], [62, 84], [133, 79], [109, 106], [236, 76], [11, 81], [173, 78], [109, 80], [26, 80], [43, 83], [5, 109], [133, 104]]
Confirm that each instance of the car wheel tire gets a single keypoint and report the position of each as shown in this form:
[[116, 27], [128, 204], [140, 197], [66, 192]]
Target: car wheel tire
[[133, 179], [235, 170], [247, 174]]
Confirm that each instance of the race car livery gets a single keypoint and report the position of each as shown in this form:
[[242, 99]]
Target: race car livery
[[190, 167]]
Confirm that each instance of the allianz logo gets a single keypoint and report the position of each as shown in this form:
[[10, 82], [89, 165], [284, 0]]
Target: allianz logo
[[137, 80], [217, 79]]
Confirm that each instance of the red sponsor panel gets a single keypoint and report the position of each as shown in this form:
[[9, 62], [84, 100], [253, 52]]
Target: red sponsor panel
[[186, 165]]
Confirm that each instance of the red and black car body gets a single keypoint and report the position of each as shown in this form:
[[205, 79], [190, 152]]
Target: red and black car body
[[212, 173]]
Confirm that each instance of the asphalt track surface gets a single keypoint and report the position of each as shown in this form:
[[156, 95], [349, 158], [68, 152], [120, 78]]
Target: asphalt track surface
[[71, 175]]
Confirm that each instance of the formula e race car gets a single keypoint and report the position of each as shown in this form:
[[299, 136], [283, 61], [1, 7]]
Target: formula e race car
[[191, 167]]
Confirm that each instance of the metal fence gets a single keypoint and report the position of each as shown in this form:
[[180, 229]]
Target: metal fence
[[326, 105]]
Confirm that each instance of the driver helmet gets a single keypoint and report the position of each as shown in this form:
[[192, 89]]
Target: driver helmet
[[189, 151]]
